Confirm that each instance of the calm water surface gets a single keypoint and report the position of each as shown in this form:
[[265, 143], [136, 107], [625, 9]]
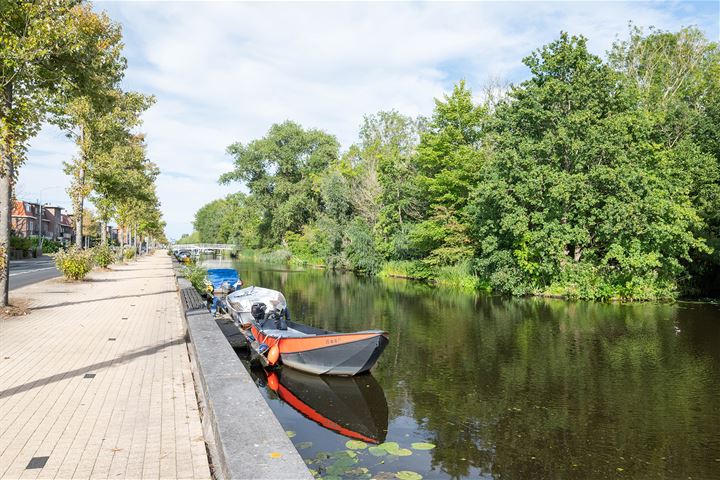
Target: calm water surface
[[505, 388]]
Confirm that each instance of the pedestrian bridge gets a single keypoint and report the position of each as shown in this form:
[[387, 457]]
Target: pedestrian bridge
[[199, 247]]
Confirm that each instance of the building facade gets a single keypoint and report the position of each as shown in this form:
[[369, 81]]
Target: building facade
[[31, 220]]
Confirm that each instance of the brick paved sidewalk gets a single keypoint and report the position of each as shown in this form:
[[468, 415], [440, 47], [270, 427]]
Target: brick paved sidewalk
[[96, 381]]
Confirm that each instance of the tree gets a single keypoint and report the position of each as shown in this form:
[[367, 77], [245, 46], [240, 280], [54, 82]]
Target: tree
[[282, 172], [51, 52], [101, 127], [449, 159], [577, 194], [676, 77], [385, 191]]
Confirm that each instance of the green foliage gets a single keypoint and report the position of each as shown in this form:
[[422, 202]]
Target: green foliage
[[196, 274], [104, 256], [414, 269], [189, 239], [361, 251], [282, 171], [129, 254], [591, 179], [577, 178], [20, 243], [74, 263], [51, 246]]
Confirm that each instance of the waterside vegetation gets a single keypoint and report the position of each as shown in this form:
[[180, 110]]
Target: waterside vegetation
[[593, 179]]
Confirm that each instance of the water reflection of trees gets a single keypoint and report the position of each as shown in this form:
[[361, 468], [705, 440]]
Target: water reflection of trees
[[532, 388]]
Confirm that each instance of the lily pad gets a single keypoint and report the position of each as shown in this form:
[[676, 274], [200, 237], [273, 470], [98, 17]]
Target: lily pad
[[408, 475], [402, 452], [389, 446], [384, 476], [357, 471], [344, 463], [356, 445], [377, 451], [422, 446], [290, 433], [303, 445], [323, 455]]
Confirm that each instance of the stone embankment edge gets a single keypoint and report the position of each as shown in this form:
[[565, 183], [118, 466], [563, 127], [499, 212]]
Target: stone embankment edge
[[245, 439]]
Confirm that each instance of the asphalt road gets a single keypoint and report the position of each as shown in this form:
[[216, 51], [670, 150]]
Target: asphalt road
[[32, 270]]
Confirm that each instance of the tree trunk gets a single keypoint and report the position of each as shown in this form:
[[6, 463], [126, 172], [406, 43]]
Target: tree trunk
[[6, 178], [79, 211], [103, 232]]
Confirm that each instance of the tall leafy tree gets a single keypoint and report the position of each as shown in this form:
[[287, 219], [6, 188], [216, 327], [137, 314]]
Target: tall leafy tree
[[577, 193], [282, 171], [51, 52], [449, 159], [386, 194], [101, 127], [676, 77]]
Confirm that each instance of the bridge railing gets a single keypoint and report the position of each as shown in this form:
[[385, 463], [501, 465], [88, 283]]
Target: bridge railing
[[204, 246]]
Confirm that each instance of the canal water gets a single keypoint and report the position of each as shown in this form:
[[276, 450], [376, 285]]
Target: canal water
[[479, 386]]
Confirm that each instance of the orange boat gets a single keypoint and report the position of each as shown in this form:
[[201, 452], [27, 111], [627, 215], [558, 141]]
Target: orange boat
[[262, 315]]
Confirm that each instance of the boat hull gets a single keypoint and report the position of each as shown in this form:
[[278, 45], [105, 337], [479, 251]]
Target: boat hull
[[344, 354], [349, 358]]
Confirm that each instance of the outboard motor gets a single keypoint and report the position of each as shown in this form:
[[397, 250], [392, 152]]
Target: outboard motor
[[276, 320], [258, 311]]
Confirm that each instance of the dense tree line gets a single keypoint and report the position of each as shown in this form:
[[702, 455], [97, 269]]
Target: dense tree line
[[592, 179], [62, 62]]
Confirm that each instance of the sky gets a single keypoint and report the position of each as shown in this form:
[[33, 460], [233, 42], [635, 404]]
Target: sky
[[224, 72]]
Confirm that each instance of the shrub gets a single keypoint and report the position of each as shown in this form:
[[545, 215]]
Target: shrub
[[276, 256], [51, 246], [104, 255], [413, 269], [20, 243], [196, 274], [74, 263], [129, 254]]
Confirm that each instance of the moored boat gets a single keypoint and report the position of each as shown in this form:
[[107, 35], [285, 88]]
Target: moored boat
[[219, 282], [262, 315]]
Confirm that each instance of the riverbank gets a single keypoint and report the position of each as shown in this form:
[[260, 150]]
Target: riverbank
[[96, 380], [458, 277], [582, 285]]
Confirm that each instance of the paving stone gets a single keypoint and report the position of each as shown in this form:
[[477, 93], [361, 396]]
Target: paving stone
[[97, 379]]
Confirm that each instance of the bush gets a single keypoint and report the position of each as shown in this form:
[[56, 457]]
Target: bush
[[51, 246], [129, 254], [196, 274], [276, 256], [413, 269], [103, 256], [460, 277], [74, 263], [20, 243]]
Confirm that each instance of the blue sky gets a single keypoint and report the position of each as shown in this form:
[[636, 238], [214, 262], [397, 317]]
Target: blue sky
[[225, 71]]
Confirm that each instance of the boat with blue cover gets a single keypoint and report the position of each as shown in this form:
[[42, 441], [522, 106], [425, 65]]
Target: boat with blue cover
[[220, 282]]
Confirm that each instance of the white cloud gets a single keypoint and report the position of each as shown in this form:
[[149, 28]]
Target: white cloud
[[224, 72]]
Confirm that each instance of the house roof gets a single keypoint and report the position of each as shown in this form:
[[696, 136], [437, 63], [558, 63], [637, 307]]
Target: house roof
[[65, 220], [21, 209]]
